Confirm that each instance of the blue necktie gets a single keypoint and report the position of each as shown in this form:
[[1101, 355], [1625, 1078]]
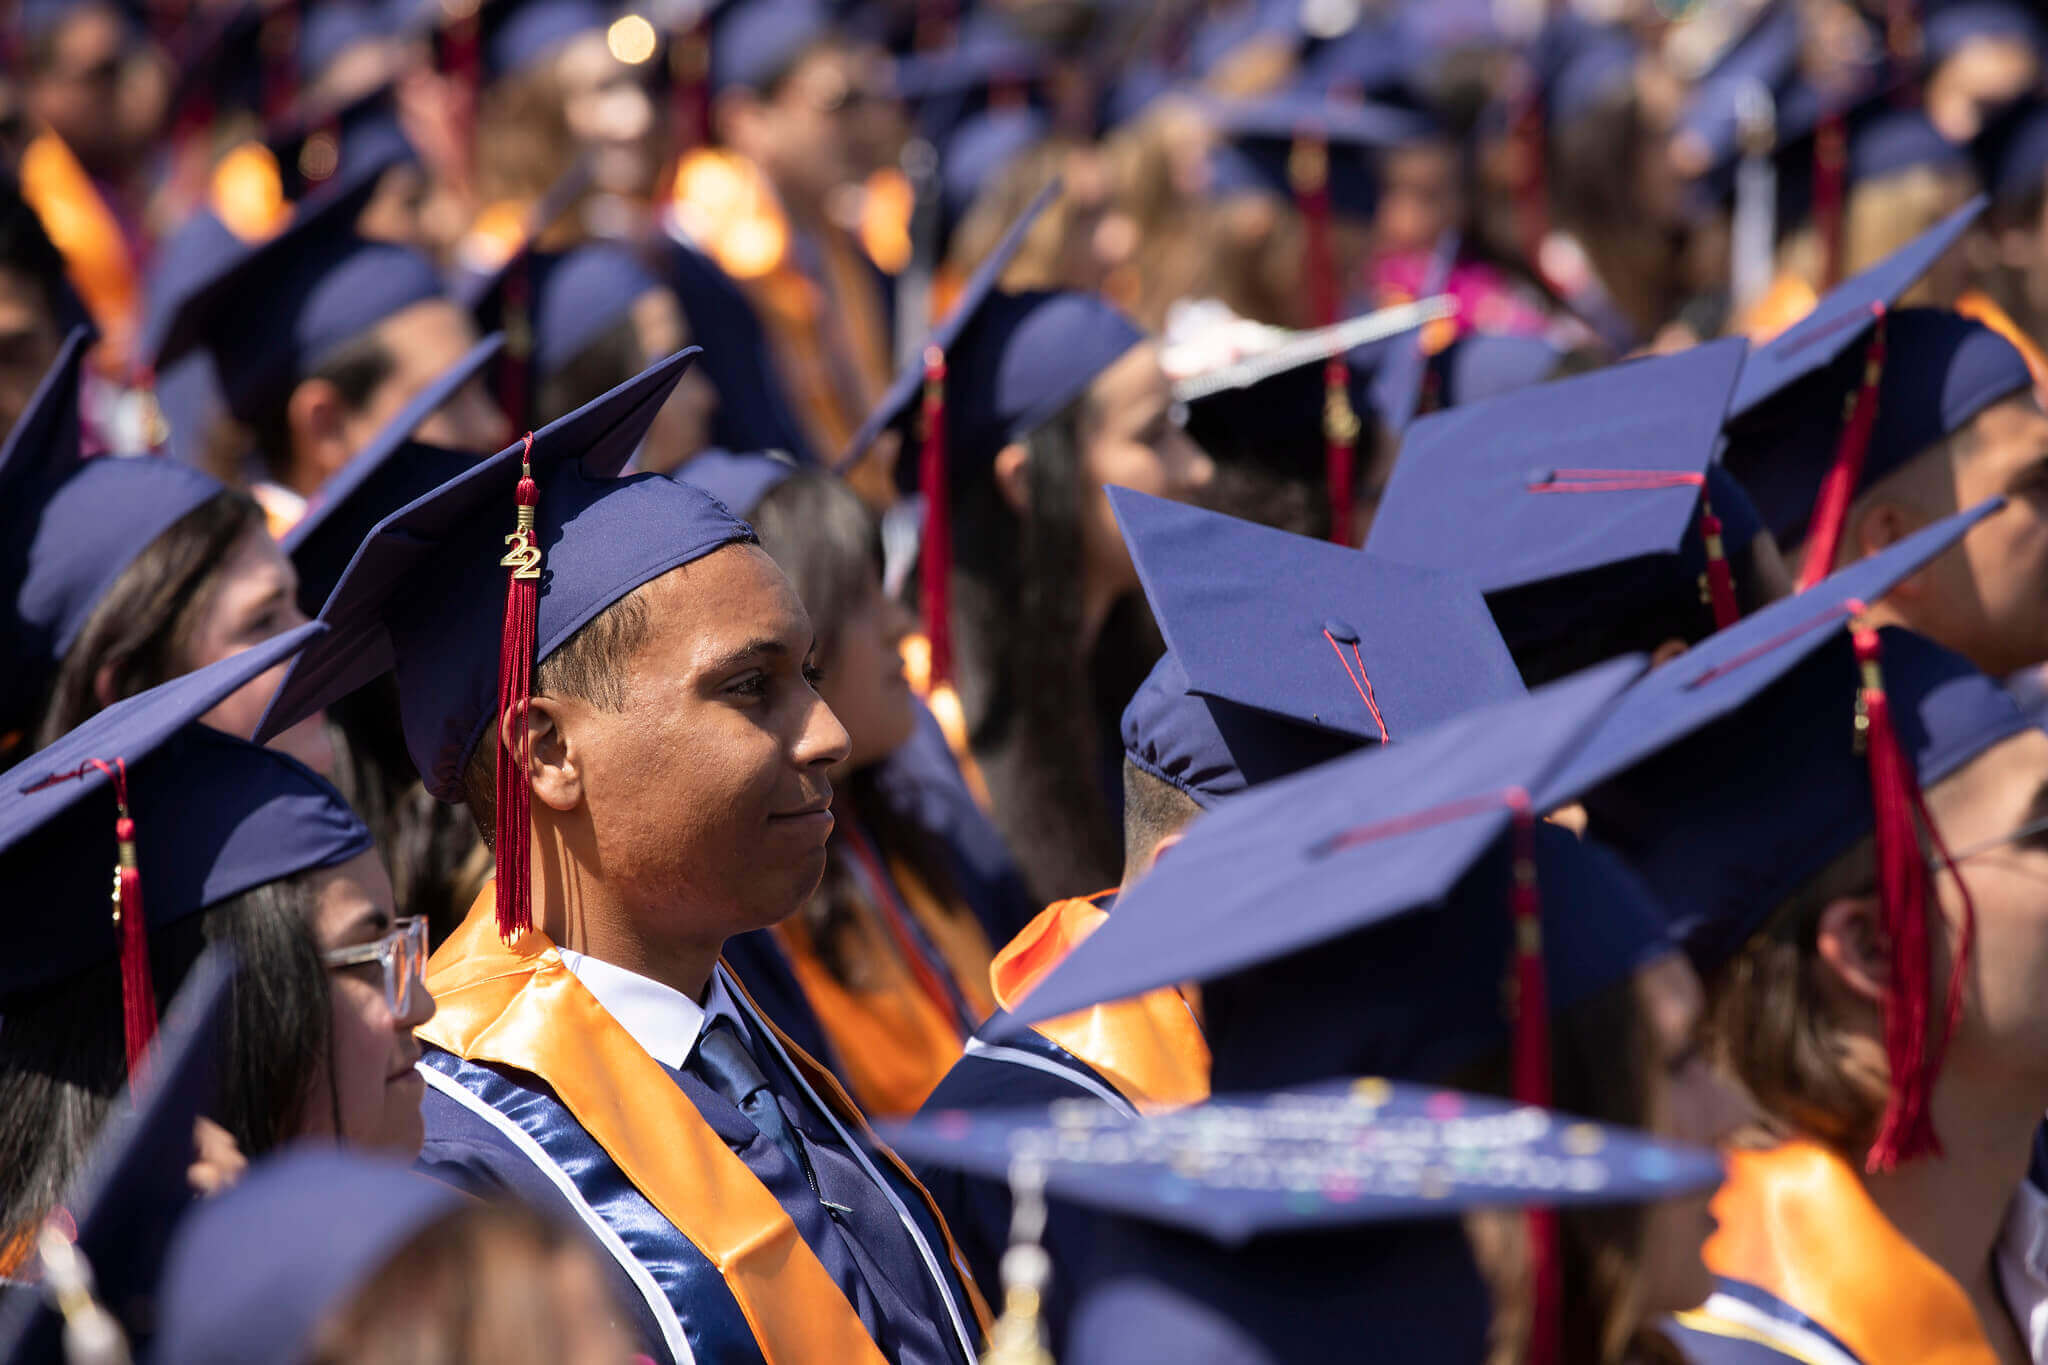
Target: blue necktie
[[733, 1073]]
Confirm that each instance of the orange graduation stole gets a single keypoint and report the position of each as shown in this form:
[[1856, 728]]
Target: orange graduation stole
[[1797, 1223], [520, 1006], [93, 243], [1150, 1048]]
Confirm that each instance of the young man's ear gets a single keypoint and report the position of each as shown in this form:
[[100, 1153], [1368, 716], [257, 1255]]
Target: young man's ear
[[1013, 465], [552, 765], [1852, 942], [318, 421], [1164, 846]]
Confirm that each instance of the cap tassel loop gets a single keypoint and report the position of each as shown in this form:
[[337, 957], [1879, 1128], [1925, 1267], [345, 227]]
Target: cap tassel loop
[[1910, 914], [513, 784], [935, 588], [1838, 488], [138, 990], [1531, 1062]]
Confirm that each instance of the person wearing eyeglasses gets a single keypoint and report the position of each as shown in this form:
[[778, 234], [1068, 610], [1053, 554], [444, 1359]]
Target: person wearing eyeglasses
[[215, 841]]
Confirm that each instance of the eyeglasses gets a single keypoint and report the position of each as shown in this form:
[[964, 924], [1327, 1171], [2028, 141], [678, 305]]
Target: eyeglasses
[[2026, 831], [403, 955]]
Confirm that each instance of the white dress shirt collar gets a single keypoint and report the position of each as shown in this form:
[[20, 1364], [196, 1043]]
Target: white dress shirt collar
[[661, 1019]]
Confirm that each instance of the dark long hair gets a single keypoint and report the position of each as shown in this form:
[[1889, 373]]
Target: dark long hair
[[141, 630], [1039, 708], [827, 542], [62, 1058]]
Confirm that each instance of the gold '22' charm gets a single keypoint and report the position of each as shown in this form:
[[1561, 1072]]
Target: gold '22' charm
[[524, 556]]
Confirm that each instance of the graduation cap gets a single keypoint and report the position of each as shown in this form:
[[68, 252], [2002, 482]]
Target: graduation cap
[[435, 596], [1362, 1152], [981, 147], [519, 35], [255, 1270], [1283, 651], [104, 1249], [755, 42], [994, 369], [1367, 913], [754, 410], [330, 29], [361, 137], [1272, 408], [1580, 498], [552, 305], [1949, 27], [186, 815], [272, 312], [738, 479], [385, 475], [1823, 731], [2012, 154], [74, 527]]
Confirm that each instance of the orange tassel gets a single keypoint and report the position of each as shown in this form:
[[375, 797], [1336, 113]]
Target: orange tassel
[[1838, 488], [1910, 915], [935, 586], [516, 647]]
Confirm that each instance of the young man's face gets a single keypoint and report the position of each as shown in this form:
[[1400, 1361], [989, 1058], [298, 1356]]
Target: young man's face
[[2003, 1036], [706, 795], [1988, 598], [425, 340], [811, 120]]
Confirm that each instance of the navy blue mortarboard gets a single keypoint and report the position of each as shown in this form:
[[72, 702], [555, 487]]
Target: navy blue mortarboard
[[1739, 771], [1283, 651], [331, 28], [739, 480], [252, 1273], [1366, 1151], [754, 410], [521, 34], [1523, 493], [428, 594], [755, 42], [132, 1189], [1364, 843], [360, 138], [981, 147], [382, 477], [2012, 154], [1582, 65], [1271, 139], [1947, 28], [1813, 452], [188, 816], [274, 311], [77, 525], [574, 297], [1482, 365]]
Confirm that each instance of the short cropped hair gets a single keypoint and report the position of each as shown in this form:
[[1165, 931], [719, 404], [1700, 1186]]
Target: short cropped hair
[[1154, 810], [590, 667], [1771, 1024]]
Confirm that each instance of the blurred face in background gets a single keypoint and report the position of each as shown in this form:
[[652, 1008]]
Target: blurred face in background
[[98, 89], [683, 426], [608, 110], [1419, 197]]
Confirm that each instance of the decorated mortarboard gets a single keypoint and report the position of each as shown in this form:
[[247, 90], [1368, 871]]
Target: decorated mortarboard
[[738, 479], [520, 35], [1273, 405], [755, 42], [1366, 914], [1283, 651], [102, 1253], [1773, 747], [435, 595], [253, 1272], [274, 311], [994, 369], [1577, 498], [76, 526], [1359, 1152], [385, 475], [185, 815]]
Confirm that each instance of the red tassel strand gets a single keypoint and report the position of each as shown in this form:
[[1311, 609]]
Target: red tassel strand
[[1308, 171], [1838, 488], [512, 841], [1910, 917], [1531, 1061], [1720, 578], [935, 577], [138, 990], [1830, 192]]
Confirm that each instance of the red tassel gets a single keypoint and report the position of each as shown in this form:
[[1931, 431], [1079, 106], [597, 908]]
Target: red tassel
[[1308, 170], [138, 990], [515, 690], [936, 575], [1830, 191], [1720, 579], [1910, 915], [1531, 1060], [1340, 450], [1838, 489]]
